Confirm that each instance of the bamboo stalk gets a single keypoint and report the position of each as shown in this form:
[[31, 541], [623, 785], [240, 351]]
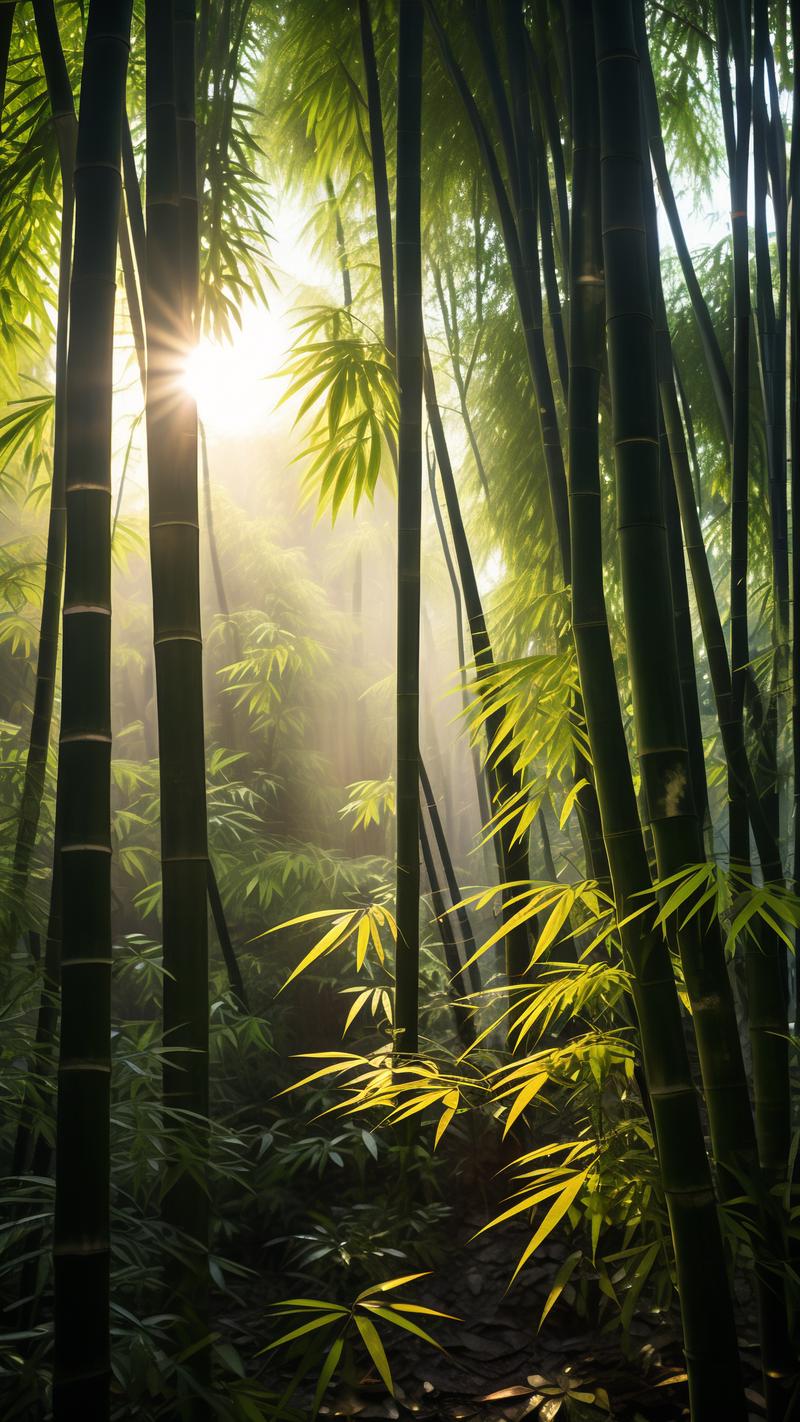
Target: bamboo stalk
[[720, 379], [525, 281], [341, 246], [504, 780], [660, 733], [409, 508], [794, 444], [457, 985], [652, 658], [468, 944], [477, 770], [65, 124], [706, 1304], [170, 312], [383, 212], [6, 31], [81, 1238]]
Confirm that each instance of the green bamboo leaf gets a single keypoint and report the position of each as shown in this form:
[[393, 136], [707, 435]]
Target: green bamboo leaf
[[560, 1283], [309, 1327], [328, 1369], [390, 1284], [556, 1213], [374, 1347], [391, 1316], [569, 802], [332, 939], [524, 1098]]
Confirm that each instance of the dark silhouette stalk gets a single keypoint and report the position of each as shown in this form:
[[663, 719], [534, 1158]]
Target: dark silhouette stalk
[[551, 127], [133, 199], [341, 246], [717, 369], [468, 944], [170, 312], [409, 509], [794, 444], [450, 322], [465, 1026], [480, 778], [6, 31], [525, 281], [504, 780], [550, 276], [383, 211], [81, 1374], [706, 1304], [652, 659], [62, 109], [225, 942]]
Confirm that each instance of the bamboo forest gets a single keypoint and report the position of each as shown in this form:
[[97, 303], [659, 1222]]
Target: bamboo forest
[[399, 710]]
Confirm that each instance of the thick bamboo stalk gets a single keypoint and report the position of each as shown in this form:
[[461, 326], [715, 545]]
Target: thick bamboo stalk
[[409, 510], [170, 308], [794, 444], [81, 1236], [131, 258], [706, 1305], [764, 959], [741, 784], [652, 658], [660, 732]]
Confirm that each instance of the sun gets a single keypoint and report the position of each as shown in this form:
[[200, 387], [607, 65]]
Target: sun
[[231, 382]]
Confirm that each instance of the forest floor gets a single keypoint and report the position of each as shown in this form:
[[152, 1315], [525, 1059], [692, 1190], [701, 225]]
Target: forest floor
[[496, 1367]]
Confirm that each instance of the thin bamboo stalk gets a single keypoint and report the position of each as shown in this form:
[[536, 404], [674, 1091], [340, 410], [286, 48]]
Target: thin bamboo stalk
[[341, 246], [478, 771], [409, 510], [383, 212], [718, 371], [6, 31], [62, 109], [505, 782], [468, 944], [525, 282], [457, 985]]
